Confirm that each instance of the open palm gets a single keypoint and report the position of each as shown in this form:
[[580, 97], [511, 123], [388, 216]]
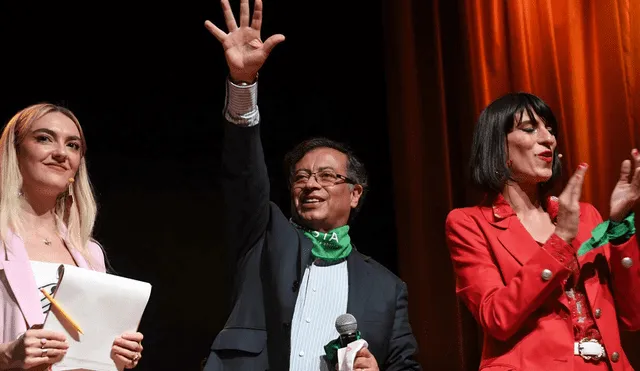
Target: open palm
[[243, 48], [627, 192]]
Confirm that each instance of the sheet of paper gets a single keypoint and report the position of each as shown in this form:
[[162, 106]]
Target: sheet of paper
[[104, 306]]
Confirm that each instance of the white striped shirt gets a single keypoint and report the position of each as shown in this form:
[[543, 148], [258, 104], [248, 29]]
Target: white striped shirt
[[323, 296]]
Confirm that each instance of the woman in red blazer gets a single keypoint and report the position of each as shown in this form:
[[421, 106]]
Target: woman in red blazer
[[548, 293]]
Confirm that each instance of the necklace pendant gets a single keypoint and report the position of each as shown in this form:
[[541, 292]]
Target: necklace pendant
[[47, 242]]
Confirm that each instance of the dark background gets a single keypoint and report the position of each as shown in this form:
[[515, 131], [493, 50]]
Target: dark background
[[147, 83]]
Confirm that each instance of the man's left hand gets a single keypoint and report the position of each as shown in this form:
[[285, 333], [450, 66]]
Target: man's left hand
[[365, 361]]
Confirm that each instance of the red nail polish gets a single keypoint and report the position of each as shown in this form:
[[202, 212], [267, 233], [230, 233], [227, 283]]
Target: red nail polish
[[635, 152]]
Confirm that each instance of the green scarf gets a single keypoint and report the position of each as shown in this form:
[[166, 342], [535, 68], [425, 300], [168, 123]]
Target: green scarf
[[609, 231], [331, 246]]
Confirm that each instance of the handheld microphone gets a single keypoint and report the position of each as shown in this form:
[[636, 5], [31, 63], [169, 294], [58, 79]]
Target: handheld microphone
[[347, 327]]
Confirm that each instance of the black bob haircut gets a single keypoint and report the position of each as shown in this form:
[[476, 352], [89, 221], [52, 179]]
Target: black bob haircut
[[488, 162]]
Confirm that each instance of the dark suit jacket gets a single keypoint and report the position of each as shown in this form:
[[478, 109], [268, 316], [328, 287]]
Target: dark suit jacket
[[270, 256]]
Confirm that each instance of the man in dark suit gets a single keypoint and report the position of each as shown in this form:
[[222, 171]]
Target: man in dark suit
[[294, 277]]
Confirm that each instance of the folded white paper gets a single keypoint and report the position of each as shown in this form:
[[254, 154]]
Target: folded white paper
[[104, 306]]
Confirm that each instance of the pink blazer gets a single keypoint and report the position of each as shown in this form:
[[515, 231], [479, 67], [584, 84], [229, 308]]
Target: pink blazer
[[19, 301]]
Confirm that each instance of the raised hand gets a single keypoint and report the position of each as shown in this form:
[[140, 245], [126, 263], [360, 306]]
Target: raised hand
[[569, 206], [627, 191], [243, 48]]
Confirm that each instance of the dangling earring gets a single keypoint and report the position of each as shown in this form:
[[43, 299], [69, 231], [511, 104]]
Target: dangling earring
[[509, 164], [70, 190], [68, 202]]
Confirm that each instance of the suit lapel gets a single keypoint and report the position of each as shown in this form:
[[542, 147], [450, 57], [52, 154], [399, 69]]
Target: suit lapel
[[81, 262], [289, 281], [21, 281], [360, 284], [304, 255], [589, 266], [517, 241], [514, 236], [77, 256], [592, 289]]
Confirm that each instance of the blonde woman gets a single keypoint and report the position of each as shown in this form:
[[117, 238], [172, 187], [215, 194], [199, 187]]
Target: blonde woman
[[47, 212]]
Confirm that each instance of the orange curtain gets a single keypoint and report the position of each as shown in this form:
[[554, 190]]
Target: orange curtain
[[446, 60], [579, 57]]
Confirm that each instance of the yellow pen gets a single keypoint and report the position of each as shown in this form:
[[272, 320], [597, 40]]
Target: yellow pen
[[59, 308]]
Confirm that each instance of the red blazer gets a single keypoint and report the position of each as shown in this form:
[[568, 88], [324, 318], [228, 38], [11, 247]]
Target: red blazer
[[523, 312]]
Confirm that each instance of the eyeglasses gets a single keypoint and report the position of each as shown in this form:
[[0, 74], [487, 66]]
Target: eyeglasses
[[325, 178]]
